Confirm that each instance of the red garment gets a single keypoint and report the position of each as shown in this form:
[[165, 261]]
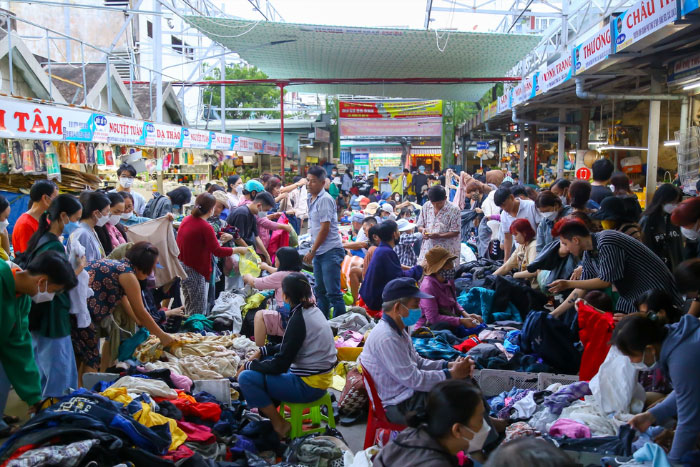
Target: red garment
[[278, 238], [182, 452], [595, 331], [468, 344], [197, 242], [24, 228], [197, 433], [372, 313], [208, 411]]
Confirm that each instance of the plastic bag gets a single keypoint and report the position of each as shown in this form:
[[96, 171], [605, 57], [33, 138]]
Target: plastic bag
[[250, 263], [615, 387]]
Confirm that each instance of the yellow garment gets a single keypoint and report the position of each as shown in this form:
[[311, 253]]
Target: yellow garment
[[148, 417], [322, 381], [397, 185], [3, 255], [608, 225], [252, 302]]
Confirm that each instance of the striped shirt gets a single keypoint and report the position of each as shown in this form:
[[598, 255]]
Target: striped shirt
[[629, 265], [405, 248], [395, 366]]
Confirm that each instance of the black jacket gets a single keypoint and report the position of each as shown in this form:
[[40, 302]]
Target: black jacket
[[663, 238], [414, 446]]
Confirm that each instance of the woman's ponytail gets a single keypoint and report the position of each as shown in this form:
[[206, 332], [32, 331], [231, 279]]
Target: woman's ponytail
[[297, 288]]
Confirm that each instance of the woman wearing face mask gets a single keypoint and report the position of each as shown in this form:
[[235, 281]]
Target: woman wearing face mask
[[442, 311], [47, 274], [197, 242], [301, 368], [116, 282], [273, 322], [524, 253], [658, 232], [674, 349], [551, 209], [129, 216], [452, 422], [127, 175], [687, 216], [234, 190], [95, 214], [4, 236], [50, 321], [113, 234]]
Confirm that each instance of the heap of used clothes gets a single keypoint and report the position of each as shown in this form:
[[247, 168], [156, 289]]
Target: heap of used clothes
[[494, 346]]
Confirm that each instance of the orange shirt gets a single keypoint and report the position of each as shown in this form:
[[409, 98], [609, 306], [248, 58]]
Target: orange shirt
[[23, 230]]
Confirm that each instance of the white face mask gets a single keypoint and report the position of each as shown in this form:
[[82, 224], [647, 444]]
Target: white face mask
[[563, 200], [668, 208], [641, 366], [126, 215], [549, 215], [45, 296], [102, 220], [477, 442], [262, 214], [114, 219], [691, 234], [126, 182], [3, 225], [239, 189]]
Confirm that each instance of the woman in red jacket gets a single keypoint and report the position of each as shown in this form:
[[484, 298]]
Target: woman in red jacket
[[197, 242]]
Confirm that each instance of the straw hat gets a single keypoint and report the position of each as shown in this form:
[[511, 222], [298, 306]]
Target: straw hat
[[221, 197], [371, 208], [436, 258]]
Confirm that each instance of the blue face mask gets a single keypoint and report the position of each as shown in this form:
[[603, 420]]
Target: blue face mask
[[414, 315], [71, 226]]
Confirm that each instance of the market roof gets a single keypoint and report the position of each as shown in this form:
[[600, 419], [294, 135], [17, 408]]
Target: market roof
[[171, 106], [285, 50]]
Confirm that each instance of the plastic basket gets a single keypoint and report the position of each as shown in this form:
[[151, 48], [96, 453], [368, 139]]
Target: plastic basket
[[91, 379], [494, 382], [219, 388], [547, 379]]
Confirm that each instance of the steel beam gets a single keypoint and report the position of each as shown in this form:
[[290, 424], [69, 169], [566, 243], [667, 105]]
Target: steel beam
[[537, 14], [653, 137]]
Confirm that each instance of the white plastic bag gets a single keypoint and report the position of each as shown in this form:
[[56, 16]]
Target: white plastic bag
[[80, 293], [466, 254], [615, 387]]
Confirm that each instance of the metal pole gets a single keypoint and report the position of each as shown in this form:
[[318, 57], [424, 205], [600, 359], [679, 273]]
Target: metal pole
[[281, 85], [66, 28], [109, 86], [158, 60], [583, 133], [9, 45], [48, 64], [521, 162], [222, 91], [533, 144], [561, 152], [683, 125], [82, 60], [653, 138]]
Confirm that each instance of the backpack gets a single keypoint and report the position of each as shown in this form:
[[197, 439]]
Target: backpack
[[157, 207]]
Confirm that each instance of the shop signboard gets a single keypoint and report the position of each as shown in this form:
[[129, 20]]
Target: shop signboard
[[584, 173], [222, 141], [166, 136], [127, 131], [592, 51], [390, 109], [640, 20], [555, 74], [689, 5], [519, 94], [100, 128], [197, 139], [22, 119], [391, 127], [535, 87], [322, 135], [685, 68], [493, 109], [271, 148], [504, 103]]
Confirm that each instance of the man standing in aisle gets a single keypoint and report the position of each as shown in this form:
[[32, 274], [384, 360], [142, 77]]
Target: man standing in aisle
[[127, 174], [602, 172], [420, 180], [327, 251], [514, 208]]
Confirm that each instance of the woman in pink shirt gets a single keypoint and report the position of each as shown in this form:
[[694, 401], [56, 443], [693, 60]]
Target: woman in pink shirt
[[274, 321]]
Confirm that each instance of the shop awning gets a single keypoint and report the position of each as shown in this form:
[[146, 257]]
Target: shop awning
[[286, 51]]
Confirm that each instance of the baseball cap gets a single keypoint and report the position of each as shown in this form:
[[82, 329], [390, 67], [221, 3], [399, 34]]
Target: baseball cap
[[371, 208], [386, 207], [404, 225], [362, 201], [253, 185], [357, 217], [403, 287]]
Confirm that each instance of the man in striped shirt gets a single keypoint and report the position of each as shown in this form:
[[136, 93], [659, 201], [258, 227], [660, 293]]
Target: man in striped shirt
[[403, 378], [612, 258]]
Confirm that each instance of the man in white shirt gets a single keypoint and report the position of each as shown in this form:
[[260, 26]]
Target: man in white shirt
[[127, 174], [514, 208]]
